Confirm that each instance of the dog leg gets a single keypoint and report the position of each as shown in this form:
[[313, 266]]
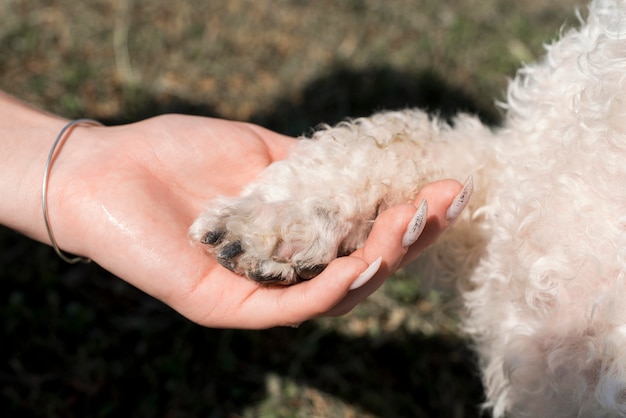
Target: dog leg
[[320, 203]]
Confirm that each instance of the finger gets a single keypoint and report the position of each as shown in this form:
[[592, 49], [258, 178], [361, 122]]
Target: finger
[[385, 240], [386, 236], [329, 294], [439, 196]]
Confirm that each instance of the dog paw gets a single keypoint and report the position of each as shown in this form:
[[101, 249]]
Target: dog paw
[[281, 242]]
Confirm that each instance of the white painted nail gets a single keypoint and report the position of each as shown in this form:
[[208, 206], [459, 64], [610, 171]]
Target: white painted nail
[[416, 225], [460, 201], [367, 274]]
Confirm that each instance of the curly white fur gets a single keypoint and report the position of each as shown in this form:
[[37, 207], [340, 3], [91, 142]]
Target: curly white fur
[[540, 256]]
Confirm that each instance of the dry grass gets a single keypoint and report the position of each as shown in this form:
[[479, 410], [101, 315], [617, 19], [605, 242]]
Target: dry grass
[[77, 342]]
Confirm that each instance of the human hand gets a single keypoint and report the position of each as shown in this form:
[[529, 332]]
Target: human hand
[[125, 197]]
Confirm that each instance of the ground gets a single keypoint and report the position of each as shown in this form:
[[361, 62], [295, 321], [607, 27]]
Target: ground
[[77, 342]]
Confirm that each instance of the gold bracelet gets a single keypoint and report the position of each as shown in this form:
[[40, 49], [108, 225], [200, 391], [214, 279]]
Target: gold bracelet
[[44, 193]]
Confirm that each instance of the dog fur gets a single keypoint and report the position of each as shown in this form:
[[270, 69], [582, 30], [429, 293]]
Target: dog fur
[[539, 256]]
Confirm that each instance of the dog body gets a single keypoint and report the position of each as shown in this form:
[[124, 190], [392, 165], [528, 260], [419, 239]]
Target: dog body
[[539, 257]]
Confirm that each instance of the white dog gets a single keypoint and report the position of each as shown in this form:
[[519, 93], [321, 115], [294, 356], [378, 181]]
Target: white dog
[[540, 256]]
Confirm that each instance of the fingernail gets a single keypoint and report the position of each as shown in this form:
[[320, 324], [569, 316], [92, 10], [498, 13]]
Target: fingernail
[[460, 201], [416, 225], [367, 274]]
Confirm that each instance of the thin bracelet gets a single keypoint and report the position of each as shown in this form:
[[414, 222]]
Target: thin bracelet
[[44, 192]]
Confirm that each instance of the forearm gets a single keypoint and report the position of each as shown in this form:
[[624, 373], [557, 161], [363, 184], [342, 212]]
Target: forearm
[[25, 140]]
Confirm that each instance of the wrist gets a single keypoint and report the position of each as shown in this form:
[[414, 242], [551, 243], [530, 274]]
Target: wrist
[[68, 189], [27, 136], [56, 146]]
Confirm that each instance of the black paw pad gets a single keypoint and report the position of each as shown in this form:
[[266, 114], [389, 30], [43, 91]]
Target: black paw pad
[[227, 255], [213, 237], [265, 278], [308, 272]]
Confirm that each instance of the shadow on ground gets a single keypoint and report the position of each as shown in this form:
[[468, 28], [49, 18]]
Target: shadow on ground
[[78, 342], [346, 92]]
